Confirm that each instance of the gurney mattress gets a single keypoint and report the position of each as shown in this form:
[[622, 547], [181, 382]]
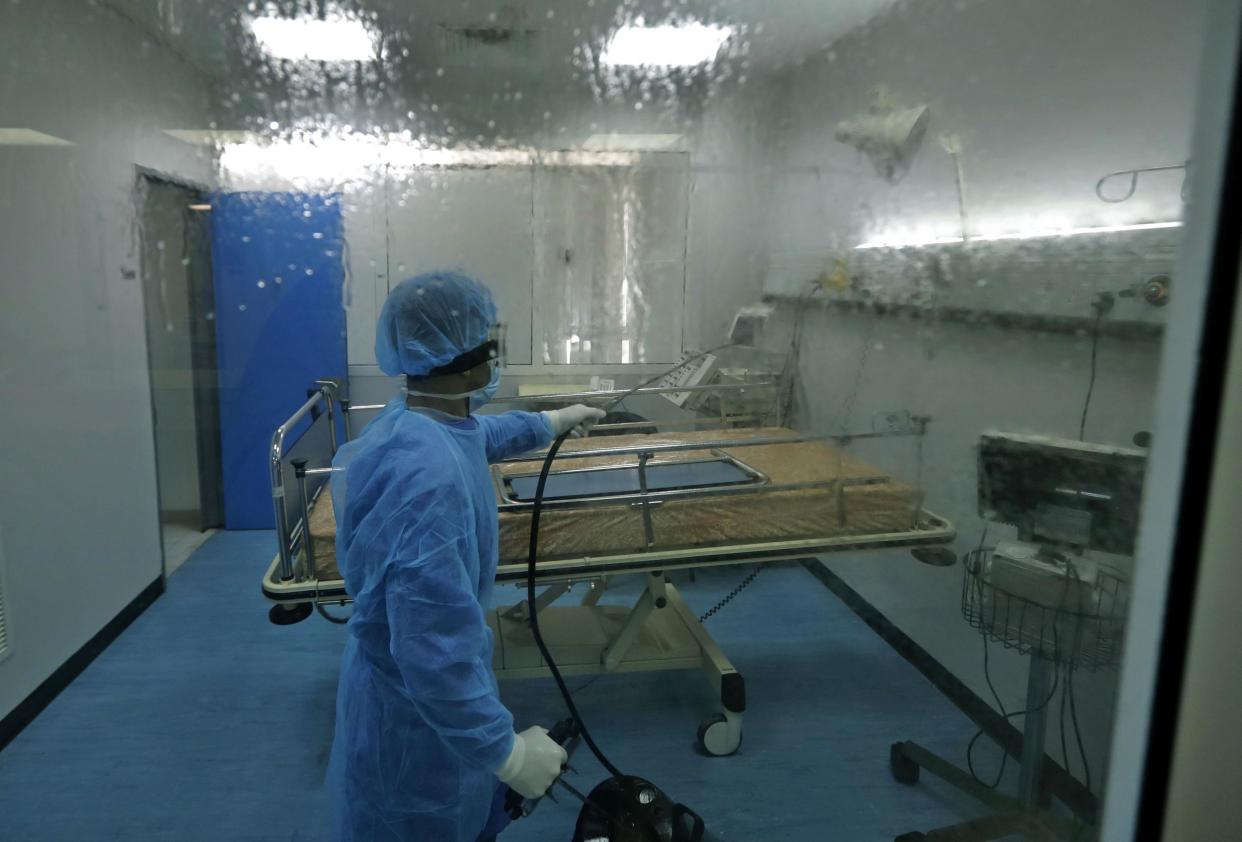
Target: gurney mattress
[[868, 502]]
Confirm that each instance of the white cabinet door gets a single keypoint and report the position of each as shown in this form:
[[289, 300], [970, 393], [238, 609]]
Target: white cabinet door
[[366, 285], [474, 220], [610, 261]]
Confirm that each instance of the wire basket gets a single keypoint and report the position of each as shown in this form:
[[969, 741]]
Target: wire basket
[[1074, 619]]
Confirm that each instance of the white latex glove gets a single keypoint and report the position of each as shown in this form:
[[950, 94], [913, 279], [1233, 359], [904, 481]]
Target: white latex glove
[[533, 764], [579, 418]]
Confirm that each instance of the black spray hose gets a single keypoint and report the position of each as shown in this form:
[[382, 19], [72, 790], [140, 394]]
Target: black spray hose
[[611, 405], [536, 507], [532, 554], [533, 551]]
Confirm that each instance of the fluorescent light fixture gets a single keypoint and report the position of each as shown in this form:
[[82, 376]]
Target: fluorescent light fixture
[[199, 207], [613, 142], [211, 137], [305, 38], [29, 137], [668, 45], [589, 158], [1032, 234], [327, 158], [413, 155]]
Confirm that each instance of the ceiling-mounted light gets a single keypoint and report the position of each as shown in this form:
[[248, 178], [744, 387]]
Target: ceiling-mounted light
[[336, 37], [889, 136], [668, 45]]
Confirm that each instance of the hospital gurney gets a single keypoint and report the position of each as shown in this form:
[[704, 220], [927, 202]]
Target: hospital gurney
[[632, 504]]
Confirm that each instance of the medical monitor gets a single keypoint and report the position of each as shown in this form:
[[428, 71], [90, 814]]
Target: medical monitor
[[1062, 492]]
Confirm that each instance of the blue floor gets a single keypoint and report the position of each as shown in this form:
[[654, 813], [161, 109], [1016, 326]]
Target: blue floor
[[204, 721]]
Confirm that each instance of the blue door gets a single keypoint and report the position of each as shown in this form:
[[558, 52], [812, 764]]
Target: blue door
[[280, 326]]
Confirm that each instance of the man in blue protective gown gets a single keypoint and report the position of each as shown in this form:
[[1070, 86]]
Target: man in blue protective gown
[[424, 749]]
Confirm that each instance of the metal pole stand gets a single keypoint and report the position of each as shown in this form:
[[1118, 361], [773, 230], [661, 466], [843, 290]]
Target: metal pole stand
[[1020, 815]]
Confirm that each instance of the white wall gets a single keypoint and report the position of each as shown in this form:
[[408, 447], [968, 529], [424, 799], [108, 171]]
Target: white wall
[[1048, 95], [78, 505], [1046, 98], [729, 133]]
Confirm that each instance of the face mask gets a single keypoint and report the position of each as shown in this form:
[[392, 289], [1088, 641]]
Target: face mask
[[481, 397], [477, 398]]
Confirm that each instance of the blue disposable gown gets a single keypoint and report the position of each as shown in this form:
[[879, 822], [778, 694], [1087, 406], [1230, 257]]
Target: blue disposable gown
[[419, 724]]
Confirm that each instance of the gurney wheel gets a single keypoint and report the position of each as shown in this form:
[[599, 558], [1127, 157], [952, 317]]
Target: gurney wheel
[[904, 770], [287, 615], [714, 736]]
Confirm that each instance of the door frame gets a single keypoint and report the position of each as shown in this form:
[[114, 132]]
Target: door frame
[[1189, 398], [204, 364]]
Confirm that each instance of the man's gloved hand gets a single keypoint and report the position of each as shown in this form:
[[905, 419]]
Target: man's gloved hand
[[579, 418], [533, 764]]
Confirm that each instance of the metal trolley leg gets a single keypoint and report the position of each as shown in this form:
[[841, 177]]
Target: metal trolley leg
[[720, 734], [1021, 815]]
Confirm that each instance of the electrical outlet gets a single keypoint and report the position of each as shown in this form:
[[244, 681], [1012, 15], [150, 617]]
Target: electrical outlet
[[892, 421]]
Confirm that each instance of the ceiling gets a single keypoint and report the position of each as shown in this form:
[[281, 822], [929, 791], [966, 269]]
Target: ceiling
[[211, 34]]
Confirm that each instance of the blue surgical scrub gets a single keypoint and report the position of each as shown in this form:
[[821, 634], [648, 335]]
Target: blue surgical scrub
[[420, 729]]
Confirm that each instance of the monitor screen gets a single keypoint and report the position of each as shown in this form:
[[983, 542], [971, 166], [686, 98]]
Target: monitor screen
[[1062, 492]]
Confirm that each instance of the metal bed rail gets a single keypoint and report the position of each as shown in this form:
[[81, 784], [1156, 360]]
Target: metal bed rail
[[294, 537], [932, 530], [709, 444], [294, 534], [597, 396], [292, 524], [645, 390]]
